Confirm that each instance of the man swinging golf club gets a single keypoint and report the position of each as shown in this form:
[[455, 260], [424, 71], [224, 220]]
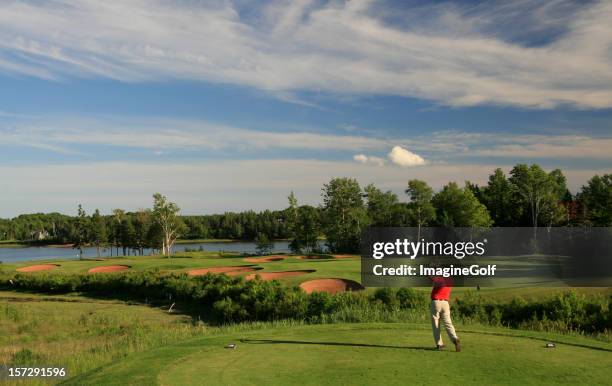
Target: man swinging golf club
[[440, 308]]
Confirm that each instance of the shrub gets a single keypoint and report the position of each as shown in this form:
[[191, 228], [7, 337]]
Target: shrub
[[232, 299], [25, 357], [386, 296], [412, 299]]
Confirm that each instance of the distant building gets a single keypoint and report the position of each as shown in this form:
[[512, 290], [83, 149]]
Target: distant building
[[40, 235]]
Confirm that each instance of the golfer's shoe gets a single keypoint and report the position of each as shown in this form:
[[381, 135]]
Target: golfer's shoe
[[440, 347], [457, 345]]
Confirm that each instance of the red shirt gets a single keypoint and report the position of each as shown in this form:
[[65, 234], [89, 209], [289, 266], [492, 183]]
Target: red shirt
[[441, 288]]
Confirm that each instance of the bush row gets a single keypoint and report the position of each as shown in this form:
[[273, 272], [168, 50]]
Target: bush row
[[232, 299], [565, 312], [229, 299]]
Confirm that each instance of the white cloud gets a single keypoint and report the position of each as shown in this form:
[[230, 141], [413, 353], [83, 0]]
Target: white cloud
[[537, 147], [60, 134], [65, 135], [402, 157], [371, 160], [456, 56], [361, 158]]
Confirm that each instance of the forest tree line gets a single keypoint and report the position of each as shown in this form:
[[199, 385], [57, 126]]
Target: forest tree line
[[133, 232], [527, 196]]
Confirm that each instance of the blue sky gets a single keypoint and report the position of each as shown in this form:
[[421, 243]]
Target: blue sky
[[231, 105]]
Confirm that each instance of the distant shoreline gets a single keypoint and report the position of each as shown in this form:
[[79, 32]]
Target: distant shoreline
[[27, 244]]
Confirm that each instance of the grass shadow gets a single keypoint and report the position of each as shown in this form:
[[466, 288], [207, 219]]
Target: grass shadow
[[342, 344], [547, 340]]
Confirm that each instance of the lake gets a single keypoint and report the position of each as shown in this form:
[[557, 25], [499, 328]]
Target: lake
[[9, 255]]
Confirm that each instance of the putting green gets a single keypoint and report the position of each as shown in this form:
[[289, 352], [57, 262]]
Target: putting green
[[391, 354]]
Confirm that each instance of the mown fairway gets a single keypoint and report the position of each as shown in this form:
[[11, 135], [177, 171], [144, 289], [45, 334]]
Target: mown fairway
[[327, 267], [397, 354], [348, 268]]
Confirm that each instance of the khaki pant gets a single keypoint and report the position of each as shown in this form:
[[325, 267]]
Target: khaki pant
[[441, 309]]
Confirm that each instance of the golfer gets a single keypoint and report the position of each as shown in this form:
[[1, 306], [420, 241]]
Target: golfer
[[440, 309]]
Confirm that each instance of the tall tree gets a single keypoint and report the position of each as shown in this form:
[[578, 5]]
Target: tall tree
[[458, 207], [292, 215], [118, 215], [554, 211], [498, 197], [344, 215], [381, 206], [306, 230], [596, 198], [99, 234], [421, 209], [142, 223], [165, 214], [127, 234], [293, 205], [81, 231], [537, 192], [263, 245], [155, 236]]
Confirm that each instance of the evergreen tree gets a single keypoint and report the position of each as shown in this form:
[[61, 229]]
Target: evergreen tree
[[127, 235], [498, 197], [99, 234], [306, 230], [263, 245]]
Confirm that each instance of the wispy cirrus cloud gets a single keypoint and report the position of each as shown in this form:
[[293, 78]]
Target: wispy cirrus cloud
[[533, 146], [65, 135], [456, 55], [158, 134]]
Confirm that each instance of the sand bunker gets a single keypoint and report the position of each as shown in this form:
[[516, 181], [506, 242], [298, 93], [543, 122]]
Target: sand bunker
[[344, 256], [278, 275], [324, 257], [109, 268], [331, 286], [230, 271], [37, 268], [313, 257], [265, 259]]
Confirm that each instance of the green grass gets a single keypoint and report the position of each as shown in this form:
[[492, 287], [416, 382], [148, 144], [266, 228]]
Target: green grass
[[82, 333], [396, 354], [109, 342], [197, 241], [50, 243], [324, 268], [12, 244], [345, 268]]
